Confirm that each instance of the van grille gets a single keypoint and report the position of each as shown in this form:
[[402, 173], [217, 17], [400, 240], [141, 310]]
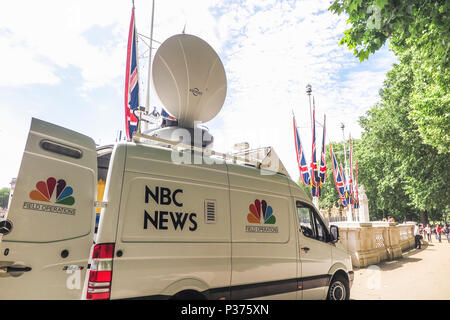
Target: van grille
[[210, 211]]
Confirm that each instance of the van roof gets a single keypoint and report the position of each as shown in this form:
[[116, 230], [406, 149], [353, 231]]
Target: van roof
[[262, 158], [164, 155]]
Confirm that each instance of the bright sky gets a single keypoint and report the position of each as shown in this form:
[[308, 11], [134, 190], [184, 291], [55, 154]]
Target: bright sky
[[64, 62]]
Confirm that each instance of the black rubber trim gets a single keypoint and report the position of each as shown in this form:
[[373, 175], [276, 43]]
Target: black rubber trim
[[256, 290], [316, 282]]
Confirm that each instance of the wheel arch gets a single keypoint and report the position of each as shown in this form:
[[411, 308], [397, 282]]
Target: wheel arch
[[188, 286], [339, 270], [336, 269]]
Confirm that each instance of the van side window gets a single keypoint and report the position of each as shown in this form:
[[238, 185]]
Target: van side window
[[310, 223], [306, 223], [321, 233]]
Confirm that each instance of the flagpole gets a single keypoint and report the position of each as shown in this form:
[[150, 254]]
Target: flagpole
[[349, 210], [315, 200], [350, 162], [136, 43], [147, 101], [132, 45], [308, 92], [355, 186]]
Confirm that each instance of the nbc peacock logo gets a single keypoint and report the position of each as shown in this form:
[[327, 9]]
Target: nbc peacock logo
[[261, 213], [45, 189], [54, 191]]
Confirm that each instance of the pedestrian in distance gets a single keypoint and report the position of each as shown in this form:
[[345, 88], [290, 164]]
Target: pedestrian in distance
[[422, 231], [438, 232], [428, 231], [417, 237], [448, 234]]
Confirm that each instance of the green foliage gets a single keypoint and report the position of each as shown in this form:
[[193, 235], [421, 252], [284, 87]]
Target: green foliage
[[4, 195], [405, 147], [420, 24], [430, 102], [418, 30], [401, 173]]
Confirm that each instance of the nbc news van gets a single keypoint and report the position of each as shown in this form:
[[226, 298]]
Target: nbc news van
[[166, 230]]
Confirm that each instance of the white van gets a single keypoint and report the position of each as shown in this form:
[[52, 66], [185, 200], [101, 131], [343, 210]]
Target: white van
[[166, 230]]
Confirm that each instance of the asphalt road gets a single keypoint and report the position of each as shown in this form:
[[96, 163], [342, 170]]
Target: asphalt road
[[419, 275]]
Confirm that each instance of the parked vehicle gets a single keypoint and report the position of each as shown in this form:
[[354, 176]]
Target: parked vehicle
[[166, 230]]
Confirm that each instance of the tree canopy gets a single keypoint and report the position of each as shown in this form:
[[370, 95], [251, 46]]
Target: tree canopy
[[401, 173], [423, 25], [405, 146], [419, 29]]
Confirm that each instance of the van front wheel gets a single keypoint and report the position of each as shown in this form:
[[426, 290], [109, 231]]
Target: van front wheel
[[339, 289]]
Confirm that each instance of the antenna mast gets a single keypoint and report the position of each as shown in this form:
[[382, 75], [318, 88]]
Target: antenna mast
[[349, 207]]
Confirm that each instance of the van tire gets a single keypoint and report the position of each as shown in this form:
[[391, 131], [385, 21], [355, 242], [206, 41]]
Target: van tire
[[188, 295], [339, 288]]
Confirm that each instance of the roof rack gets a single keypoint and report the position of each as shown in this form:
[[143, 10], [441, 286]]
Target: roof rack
[[261, 158]]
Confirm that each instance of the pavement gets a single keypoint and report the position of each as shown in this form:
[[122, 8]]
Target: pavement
[[419, 275]]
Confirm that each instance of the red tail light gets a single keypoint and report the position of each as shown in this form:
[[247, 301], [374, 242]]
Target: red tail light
[[100, 273], [103, 251]]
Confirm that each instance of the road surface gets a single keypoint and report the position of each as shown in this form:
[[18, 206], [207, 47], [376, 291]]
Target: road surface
[[420, 275]]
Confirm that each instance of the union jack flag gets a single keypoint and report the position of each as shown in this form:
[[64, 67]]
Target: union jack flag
[[303, 167], [314, 172], [166, 115], [350, 180], [316, 190], [346, 193], [338, 178], [323, 161], [131, 81], [356, 202]]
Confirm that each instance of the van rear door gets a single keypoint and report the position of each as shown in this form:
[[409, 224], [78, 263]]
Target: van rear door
[[46, 243]]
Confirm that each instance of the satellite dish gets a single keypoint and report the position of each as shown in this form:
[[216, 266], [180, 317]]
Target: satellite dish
[[189, 79]]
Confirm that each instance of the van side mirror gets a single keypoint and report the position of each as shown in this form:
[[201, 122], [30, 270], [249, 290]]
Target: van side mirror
[[334, 231]]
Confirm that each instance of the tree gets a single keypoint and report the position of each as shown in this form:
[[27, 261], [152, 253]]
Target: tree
[[423, 25], [402, 174], [419, 29]]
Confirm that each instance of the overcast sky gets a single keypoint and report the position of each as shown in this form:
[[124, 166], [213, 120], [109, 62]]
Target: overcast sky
[[64, 62]]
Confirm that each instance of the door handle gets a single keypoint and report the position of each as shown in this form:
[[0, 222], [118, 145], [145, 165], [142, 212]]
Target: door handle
[[306, 249], [10, 269]]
